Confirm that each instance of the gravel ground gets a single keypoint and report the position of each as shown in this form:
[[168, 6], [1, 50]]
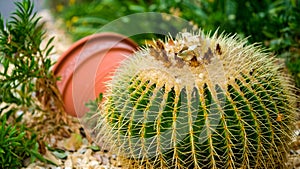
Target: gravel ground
[[294, 157], [79, 152]]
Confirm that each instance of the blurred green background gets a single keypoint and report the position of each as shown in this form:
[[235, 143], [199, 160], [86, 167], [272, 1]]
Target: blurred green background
[[274, 24]]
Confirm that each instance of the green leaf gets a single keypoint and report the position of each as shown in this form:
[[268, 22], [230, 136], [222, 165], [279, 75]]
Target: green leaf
[[95, 148], [49, 43], [1, 151], [61, 155], [49, 51], [136, 8], [41, 158], [92, 20]]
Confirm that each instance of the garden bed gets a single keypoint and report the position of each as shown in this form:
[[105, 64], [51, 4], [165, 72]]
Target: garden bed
[[79, 151], [68, 145]]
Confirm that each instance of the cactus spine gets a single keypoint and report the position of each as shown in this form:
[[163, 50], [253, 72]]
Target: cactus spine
[[199, 101]]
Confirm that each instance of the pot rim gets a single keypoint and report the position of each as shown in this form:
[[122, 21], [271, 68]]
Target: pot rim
[[72, 60]]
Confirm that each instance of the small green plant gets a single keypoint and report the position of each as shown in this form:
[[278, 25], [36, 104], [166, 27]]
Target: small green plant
[[26, 80], [16, 145], [27, 84], [26, 77], [199, 101], [285, 40]]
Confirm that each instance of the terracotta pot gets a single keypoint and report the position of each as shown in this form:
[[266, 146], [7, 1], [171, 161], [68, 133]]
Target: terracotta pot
[[87, 65]]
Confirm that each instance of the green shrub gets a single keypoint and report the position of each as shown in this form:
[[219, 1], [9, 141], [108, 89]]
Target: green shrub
[[27, 84], [16, 145], [273, 23], [26, 78]]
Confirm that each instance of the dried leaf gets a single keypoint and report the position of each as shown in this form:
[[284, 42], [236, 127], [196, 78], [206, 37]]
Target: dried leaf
[[73, 143], [52, 158]]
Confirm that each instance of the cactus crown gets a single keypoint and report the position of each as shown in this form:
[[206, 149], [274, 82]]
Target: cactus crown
[[199, 102]]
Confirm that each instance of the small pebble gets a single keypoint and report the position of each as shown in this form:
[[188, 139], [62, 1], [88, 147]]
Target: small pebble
[[68, 163]]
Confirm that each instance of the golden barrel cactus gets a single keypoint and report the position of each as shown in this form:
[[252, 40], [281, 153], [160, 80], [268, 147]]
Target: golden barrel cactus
[[199, 101]]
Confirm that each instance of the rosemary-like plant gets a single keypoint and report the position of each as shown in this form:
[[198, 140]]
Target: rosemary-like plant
[[26, 78], [27, 84], [16, 145]]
